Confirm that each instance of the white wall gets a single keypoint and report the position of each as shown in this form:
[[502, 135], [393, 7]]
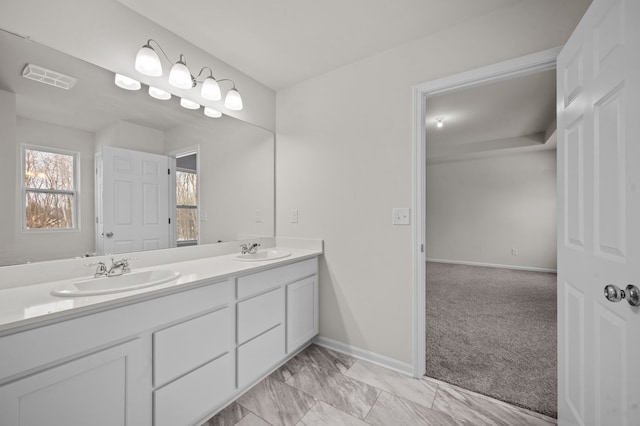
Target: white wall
[[479, 209], [108, 34], [344, 160], [9, 161], [127, 135]]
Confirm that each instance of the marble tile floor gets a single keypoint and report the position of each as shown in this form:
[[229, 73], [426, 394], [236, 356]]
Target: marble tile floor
[[322, 387]]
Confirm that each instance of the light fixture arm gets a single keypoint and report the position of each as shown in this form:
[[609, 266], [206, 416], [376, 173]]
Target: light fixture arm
[[200, 73], [226, 79], [161, 49]]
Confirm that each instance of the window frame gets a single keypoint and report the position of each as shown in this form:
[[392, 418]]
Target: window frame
[[175, 154], [180, 243], [75, 193]]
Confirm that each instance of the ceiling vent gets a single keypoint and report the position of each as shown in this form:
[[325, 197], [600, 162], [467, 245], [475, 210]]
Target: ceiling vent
[[53, 78]]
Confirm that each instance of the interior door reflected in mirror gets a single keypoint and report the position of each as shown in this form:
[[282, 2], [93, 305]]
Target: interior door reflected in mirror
[[216, 203]]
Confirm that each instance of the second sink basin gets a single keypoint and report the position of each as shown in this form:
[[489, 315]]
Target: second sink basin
[[262, 255], [120, 283]]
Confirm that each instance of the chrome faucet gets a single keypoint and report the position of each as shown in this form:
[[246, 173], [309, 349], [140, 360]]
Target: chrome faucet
[[119, 267], [101, 269], [249, 248]]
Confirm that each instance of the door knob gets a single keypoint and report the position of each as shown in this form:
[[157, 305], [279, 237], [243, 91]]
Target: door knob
[[109, 234], [613, 293]]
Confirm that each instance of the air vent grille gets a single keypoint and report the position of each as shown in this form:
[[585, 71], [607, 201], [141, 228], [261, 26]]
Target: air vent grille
[[46, 76]]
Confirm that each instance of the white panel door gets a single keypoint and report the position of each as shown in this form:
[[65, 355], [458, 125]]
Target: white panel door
[[599, 217], [135, 201]]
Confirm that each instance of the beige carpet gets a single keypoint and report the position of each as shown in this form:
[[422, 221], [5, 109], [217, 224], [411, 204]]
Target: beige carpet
[[493, 331]]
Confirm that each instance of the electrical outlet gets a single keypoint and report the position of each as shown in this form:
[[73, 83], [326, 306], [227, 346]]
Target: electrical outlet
[[258, 216], [514, 252], [203, 216], [401, 216], [294, 216]]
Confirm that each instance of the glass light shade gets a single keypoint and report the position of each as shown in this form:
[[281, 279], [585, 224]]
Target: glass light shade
[[211, 89], [154, 92], [148, 62], [233, 101], [213, 113], [186, 103], [127, 83], [180, 76]]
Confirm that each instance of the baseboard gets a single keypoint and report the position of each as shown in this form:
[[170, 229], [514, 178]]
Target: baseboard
[[494, 265], [372, 357]]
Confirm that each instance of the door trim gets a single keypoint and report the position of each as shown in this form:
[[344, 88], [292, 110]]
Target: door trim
[[529, 64]]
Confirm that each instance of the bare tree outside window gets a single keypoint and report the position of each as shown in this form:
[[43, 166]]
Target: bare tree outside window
[[49, 189], [186, 206]]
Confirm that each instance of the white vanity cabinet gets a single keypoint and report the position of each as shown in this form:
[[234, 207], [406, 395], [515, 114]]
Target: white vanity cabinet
[[168, 360], [302, 312], [91, 390], [263, 317]]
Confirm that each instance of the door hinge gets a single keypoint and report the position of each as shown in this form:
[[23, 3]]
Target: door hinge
[[168, 171], [169, 221], [421, 248]]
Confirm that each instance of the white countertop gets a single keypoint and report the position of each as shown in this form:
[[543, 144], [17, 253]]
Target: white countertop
[[24, 306]]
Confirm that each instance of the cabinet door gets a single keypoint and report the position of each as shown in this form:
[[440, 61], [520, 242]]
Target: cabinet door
[[302, 312], [98, 389]]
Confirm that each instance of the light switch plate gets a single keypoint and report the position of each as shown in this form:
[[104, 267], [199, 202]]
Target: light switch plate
[[258, 216], [402, 216], [294, 215], [203, 216]]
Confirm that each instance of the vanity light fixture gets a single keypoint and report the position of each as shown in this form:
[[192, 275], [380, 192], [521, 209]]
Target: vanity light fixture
[[439, 122], [148, 63], [160, 94], [213, 113], [127, 83], [189, 104]]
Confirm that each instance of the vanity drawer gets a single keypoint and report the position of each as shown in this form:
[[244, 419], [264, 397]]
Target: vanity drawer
[[257, 356], [256, 283], [195, 395], [259, 314], [187, 345]]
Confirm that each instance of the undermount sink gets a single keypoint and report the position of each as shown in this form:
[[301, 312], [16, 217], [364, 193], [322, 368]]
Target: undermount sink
[[262, 255], [117, 284]]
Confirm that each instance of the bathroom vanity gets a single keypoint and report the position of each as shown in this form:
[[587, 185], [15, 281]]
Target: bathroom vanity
[[168, 355]]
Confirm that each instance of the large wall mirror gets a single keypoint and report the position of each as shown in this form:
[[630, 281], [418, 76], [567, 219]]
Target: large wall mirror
[[227, 164]]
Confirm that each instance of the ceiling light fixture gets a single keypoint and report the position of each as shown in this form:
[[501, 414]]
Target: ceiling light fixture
[[148, 63], [439, 122]]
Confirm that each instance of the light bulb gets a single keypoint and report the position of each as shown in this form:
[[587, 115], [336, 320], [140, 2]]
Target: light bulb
[[180, 76], [213, 113], [154, 92], [188, 104], [211, 89], [148, 62], [439, 122], [233, 101], [127, 83]]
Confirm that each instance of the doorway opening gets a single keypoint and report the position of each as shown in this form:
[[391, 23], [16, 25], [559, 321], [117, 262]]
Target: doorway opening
[[450, 167]]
